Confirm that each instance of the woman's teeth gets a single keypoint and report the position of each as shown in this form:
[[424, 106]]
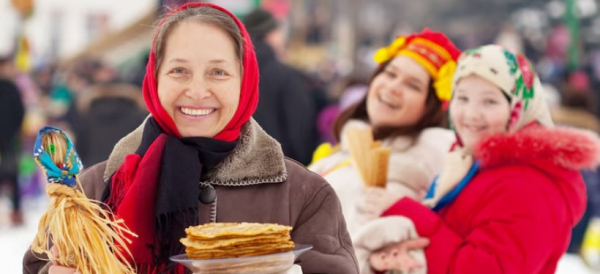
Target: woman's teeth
[[197, 112], [387, 101]]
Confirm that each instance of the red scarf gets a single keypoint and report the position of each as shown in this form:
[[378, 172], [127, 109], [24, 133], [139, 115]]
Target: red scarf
[[133, 194]]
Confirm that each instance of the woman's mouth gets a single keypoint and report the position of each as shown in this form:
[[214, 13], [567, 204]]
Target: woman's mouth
[[197, 112], [387, 101]]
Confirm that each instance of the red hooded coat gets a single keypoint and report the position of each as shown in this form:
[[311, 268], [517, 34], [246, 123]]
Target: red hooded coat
[[516, 214]]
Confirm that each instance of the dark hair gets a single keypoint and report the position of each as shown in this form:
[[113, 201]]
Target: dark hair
[[434, 115], [259, 23]]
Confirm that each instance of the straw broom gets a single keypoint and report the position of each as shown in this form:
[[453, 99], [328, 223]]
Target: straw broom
[[88, 237]]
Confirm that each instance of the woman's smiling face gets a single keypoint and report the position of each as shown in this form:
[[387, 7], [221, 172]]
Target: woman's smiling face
[[398, 94], [199, 80]]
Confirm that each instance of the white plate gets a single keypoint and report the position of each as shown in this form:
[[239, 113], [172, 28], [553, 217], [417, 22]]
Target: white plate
[[271, 263]]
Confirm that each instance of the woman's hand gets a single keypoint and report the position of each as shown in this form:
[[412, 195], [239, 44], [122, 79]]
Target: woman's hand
[[397, 257], [57, 269], [375, 200]]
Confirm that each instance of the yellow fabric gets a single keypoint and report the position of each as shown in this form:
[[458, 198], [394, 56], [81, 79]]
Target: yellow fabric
[[443, 85], [590, 248], [347, 162], [422, 61], [386, 53], [323, 151], [442, 78], [433, 46], [22, 58]]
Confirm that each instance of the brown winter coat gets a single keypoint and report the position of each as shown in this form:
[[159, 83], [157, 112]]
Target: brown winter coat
[[255, 184]]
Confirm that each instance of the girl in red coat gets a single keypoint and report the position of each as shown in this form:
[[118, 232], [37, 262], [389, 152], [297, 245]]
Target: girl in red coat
[[510, 191]]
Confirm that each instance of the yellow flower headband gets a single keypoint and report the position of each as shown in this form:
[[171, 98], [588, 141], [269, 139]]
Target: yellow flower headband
[[433, 50]]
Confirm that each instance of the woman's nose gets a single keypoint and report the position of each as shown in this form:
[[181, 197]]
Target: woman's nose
[[395, 88], [198, 89]]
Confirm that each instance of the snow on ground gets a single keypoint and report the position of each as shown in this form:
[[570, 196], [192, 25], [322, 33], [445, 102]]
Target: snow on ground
[[14, 241]]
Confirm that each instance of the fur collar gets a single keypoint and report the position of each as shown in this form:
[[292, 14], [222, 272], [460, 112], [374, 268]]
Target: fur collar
[[566, 147], [257, 158]]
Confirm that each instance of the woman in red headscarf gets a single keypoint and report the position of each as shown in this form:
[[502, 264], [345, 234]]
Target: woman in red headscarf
[[200, 157]]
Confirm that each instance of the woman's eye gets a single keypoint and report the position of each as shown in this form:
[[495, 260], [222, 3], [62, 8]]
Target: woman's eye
[[390, 74], [219, 73], [177, 71], [414, 87]]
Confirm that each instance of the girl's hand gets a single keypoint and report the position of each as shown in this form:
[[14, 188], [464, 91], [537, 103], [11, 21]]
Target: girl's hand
[[397, 257]]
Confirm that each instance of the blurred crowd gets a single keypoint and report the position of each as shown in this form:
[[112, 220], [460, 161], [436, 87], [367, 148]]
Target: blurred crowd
[[98, 104]]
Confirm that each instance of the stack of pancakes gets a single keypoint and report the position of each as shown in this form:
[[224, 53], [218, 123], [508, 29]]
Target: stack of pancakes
[[234, 240]]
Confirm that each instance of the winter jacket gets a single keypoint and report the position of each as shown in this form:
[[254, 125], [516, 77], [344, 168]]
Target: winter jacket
[[516, 214], [413, 164], [12, 112], [255, 183], [286, 109], [107, 112]]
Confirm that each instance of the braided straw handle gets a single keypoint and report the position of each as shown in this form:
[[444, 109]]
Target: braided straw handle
[[87, 235]]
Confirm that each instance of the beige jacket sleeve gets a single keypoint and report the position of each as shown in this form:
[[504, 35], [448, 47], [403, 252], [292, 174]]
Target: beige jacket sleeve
[[415, 168], [381, 232]]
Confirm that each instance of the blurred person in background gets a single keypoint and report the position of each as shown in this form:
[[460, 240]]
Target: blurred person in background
[[577, 103], [12, 112], [576, 110], [552, 66], [87, 74], [44, 78], [107, 112], [404, 106], [287, 109], [511, 190], [61, 103], [510, 38], [76, 80]]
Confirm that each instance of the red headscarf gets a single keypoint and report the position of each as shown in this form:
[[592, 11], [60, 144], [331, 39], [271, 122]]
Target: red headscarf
[[134, 187], [249, 88]]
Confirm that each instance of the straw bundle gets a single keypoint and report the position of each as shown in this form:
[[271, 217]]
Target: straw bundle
[[88, 237]]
